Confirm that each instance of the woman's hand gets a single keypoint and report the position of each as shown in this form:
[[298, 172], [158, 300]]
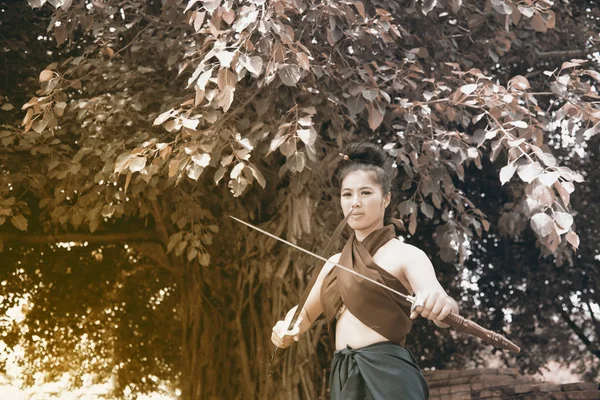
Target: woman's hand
[[435, 306], [283, 338]]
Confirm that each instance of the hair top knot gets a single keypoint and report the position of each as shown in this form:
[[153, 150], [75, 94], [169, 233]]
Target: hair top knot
[[365, 153]]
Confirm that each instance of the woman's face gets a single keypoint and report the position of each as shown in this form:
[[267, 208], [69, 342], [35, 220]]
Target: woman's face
[[362, 192]]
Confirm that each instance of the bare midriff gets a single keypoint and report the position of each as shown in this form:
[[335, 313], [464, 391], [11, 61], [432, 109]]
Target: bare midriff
[[350, 331]]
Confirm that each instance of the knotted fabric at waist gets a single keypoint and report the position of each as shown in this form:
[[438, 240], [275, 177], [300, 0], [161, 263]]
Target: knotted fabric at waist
[[380, 371]]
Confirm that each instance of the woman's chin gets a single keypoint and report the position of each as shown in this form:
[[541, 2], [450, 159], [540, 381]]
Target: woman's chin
[[356, 225]]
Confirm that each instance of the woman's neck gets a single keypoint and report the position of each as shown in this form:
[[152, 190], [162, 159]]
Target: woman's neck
[[363, 233]]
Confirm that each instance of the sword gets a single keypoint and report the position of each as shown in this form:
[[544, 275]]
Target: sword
[[456, 321]]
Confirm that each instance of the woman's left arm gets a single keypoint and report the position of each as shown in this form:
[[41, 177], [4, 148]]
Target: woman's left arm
[[417, 270]]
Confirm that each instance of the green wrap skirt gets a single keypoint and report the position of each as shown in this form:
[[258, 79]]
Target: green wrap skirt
[[381, 371]]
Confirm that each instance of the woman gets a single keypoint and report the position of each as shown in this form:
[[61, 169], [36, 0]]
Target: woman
[[370, 323]]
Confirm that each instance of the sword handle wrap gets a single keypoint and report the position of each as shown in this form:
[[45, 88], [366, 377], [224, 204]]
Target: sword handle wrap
[[465, 325], [275, 361]]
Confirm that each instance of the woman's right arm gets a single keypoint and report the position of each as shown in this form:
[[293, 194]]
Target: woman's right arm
[[310, 312]]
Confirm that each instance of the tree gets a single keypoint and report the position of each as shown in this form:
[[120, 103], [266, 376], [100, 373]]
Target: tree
[[551, 302], [154, 121]]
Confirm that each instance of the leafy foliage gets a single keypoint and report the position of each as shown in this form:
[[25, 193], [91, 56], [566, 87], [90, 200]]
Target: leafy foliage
[[151, 121]]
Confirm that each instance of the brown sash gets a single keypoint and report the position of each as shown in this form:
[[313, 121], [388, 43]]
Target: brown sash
[[381, 310]]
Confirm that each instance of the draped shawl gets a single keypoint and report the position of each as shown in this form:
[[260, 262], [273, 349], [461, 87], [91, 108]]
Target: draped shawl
[[381, 310]]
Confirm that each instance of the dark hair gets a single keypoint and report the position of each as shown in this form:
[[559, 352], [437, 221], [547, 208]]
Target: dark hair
[[369, 157]]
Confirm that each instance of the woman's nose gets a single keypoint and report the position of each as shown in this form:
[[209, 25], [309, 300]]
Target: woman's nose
[[355, 202]]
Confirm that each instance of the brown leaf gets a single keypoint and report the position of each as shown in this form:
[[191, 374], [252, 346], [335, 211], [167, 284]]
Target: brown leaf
[[137, 164], [192, 252], [412, 224], [456, 4], [59, 108], [225, 98], [592, 73], [427, 210], [530, 171], [199, 20], [355, 105], [360, 7], [127, 181], [542, 224], [548, 178], [550, 19], [407, 207], [254, 64], [308, 136], [107, 51], [257, 175], [468, 89], [278, 53], [519, 82], [46, 75], [211, 5], [173, 168], [296, 162], [573, 239], [163, 117], [19, 222], [303, 60], [228, 16], [289, 75], [486, 224], [543, 195], [226, 78], [248, 18], [287, 148], [219, 174], [375, 116], [570, 64], [225, 58], [538, 23], [552, 241], [60, 33], [516, 15], [507, 172], [563, 220], [564, 194], [199, 96], [94, 224]]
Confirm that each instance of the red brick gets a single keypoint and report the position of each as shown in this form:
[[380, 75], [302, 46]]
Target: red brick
[[567, 387], [584, 395]]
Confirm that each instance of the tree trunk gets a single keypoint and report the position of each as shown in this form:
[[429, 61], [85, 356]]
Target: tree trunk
[[197, 353]]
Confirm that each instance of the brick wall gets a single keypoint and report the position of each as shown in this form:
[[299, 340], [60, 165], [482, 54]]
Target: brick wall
[[504, 383]]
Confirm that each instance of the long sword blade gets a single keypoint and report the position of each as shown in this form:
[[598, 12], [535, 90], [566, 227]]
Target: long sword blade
[[409, 298], [455, 320]]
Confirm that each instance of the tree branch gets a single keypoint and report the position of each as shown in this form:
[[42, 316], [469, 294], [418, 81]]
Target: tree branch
[[563, 53], [161, 228], [111, 237], [577, 330]]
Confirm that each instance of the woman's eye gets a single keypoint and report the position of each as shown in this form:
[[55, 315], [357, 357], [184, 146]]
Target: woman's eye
[[366, 193], [346, 195]]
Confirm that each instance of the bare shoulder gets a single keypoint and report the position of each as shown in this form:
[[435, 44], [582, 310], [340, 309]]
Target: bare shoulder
[[403, 261], [401, 254]]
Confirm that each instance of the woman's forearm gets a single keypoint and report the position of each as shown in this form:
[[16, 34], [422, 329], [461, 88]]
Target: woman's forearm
[[305, 320]]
